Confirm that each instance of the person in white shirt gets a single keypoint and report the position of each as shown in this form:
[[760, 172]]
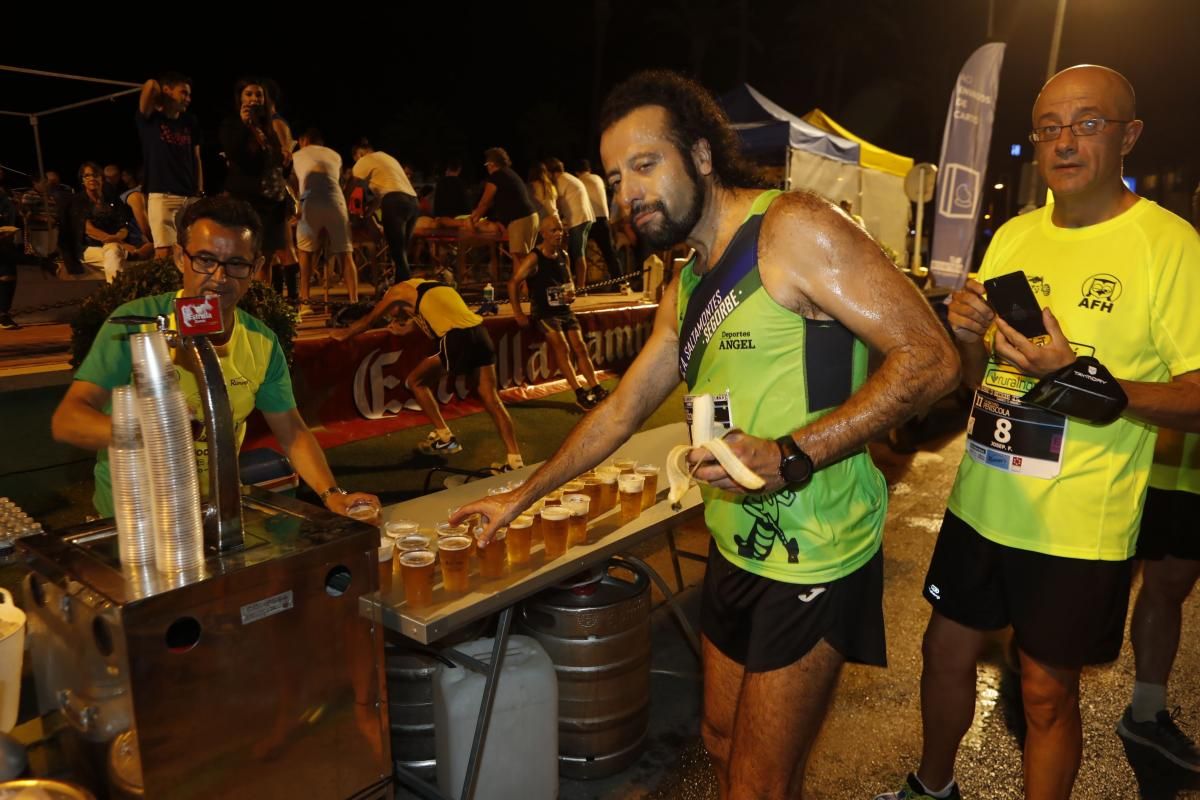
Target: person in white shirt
[[576, 211], [394, 197], [600, 233], [322, 214]]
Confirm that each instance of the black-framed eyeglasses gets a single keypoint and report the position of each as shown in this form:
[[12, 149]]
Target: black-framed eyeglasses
[[206, 264], [1084, 127]]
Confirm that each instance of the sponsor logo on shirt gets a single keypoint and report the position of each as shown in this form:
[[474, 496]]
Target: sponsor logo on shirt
[[1100, 292], [935, 592], [736, 340]]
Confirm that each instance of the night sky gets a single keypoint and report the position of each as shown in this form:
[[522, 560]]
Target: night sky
[[459, 77]]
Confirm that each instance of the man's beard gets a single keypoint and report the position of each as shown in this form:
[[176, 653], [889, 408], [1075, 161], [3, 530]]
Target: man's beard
[[672, 230]]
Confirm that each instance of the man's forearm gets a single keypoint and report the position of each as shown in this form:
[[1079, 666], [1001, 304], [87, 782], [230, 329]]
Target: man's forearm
[[909, 381], [82, 426], [1170, 405], [974, 358], [309, 461]]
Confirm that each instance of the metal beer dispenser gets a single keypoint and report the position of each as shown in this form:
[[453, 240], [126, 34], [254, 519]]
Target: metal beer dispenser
[[250, 674]]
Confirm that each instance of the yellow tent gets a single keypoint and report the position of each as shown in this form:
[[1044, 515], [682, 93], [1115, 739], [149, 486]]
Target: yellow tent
[[869, 155]]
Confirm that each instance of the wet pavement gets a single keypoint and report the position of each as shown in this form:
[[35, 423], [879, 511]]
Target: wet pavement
[[872, 736]]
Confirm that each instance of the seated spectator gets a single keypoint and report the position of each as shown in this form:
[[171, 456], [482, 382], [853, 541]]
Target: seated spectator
[[98, 232], [134, 196], [112, 182]]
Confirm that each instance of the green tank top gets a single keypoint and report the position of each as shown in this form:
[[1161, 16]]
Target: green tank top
[[782, 372]]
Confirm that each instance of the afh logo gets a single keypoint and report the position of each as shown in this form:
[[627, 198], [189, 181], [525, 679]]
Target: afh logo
[[1039, 285], [1101, 292]]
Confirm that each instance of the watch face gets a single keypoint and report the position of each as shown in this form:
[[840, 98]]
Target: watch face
[[796, 469]]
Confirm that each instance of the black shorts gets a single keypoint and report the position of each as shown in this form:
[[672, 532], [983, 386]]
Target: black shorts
[[559, 322], [462, 350], [764, 624], [1065, 612], [1169, 522]]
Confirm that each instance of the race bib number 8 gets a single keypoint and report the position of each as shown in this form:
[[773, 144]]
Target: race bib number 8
[[1005, 434]]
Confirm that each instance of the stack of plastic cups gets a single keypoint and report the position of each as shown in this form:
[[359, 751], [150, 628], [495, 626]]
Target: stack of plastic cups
[[170, 452], [133, 504]]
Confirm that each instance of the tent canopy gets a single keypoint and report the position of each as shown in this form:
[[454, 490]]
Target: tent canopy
[[872, 156], [766, 128]]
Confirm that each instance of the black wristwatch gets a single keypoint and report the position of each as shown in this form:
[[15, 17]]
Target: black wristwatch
[[795, 467]]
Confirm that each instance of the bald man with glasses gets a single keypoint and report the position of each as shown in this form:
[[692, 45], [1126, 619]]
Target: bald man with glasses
[[1043, 519]]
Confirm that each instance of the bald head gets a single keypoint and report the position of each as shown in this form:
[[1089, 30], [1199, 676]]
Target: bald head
[[1096, 83]]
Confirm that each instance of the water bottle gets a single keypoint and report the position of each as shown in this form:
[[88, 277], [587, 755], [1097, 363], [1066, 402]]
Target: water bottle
[[489, 294]]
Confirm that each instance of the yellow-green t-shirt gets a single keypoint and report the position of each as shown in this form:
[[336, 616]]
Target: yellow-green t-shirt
[[252, 362], [1123, 291]]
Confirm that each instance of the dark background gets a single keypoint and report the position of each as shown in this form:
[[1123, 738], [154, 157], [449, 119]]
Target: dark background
[[425, 81]]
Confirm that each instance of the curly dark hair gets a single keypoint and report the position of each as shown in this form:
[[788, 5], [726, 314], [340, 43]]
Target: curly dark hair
[[694, 115]]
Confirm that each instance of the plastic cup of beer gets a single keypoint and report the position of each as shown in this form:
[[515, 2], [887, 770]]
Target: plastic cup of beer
[[553, 498], [494, 557], [535, 511], [625, 465], [572, 487], [591, 487], [413, 541], [631, 497], [578, 505], [608, 487], [399, 528], [445, 529], [555, 520], [416, 569], [520, 535], [456, 562], [364, 511], [650, 490]]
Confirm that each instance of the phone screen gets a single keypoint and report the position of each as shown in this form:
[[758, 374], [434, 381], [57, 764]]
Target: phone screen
[[1010, 296]]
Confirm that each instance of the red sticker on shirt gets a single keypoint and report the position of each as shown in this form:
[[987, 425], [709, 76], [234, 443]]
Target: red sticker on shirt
[[198, 316]]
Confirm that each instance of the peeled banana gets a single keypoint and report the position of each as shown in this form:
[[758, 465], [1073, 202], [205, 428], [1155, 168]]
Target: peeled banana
[[706, 434]]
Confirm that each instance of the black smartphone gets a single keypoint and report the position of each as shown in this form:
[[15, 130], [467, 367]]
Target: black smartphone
[[1010, 297]]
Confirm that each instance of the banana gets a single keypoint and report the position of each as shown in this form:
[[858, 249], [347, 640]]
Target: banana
[[704, 433]]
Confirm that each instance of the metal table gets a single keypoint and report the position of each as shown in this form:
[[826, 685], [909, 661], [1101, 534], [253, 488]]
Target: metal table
[[450, 612]]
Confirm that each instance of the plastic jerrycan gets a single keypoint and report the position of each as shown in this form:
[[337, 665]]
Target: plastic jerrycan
[[12, 652], [520, 752]]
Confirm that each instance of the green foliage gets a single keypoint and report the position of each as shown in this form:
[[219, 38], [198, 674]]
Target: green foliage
[[156, 277]]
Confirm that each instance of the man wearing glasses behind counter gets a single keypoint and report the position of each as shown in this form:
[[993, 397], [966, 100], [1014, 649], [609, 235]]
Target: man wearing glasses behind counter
[[219, 248]]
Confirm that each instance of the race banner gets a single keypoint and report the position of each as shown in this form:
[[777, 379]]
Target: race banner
[[354, 389], [963, 165]]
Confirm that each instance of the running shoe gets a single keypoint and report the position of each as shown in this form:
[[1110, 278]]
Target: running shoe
[[912, 790], [599, 392], [7, 323], [434, 446], [1163, 735]]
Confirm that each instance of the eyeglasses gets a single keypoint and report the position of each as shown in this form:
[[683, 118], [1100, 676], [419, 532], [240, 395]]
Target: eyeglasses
[[206, 264], [1085, 127]]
